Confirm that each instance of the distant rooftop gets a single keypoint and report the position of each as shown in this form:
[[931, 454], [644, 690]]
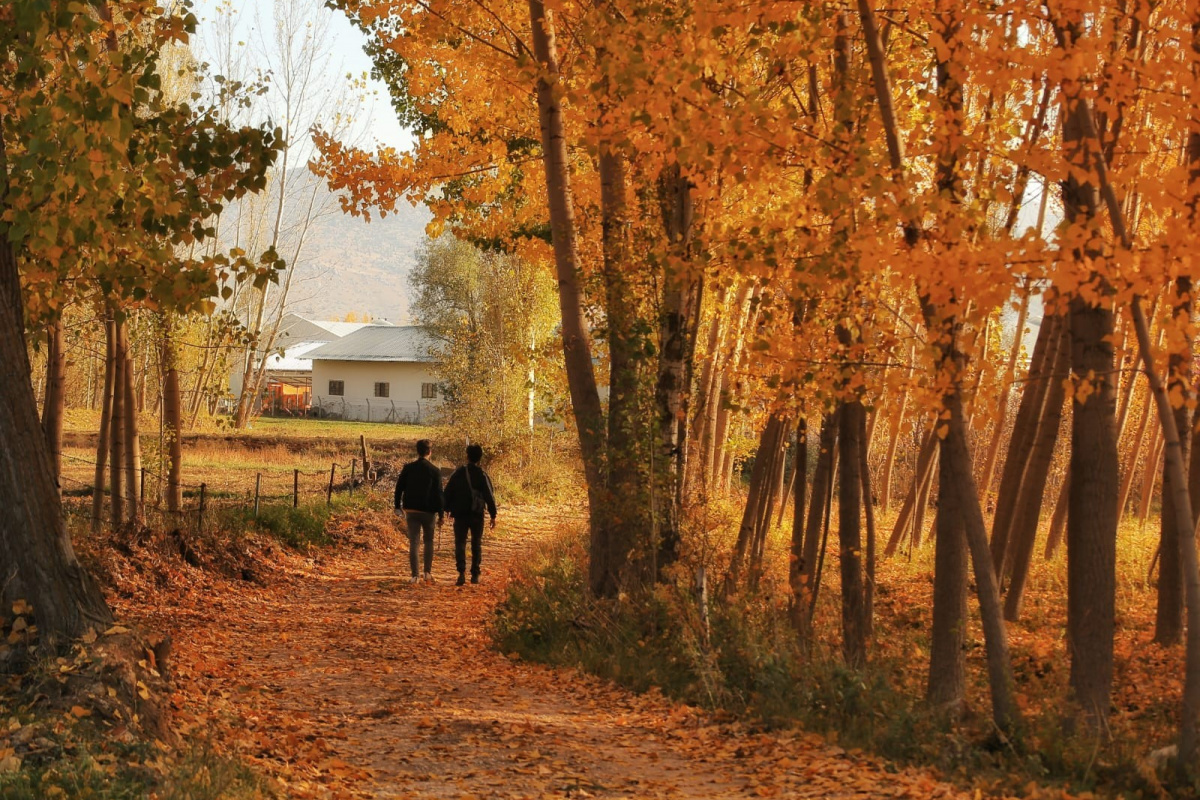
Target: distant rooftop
[[378, 343], [296, 328], [294, 358]]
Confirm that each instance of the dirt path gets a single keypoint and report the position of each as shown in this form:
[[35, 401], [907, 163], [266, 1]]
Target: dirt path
[[347, 682]]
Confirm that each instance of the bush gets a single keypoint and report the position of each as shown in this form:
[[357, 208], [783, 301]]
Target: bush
[[752, 663], [301, 527]]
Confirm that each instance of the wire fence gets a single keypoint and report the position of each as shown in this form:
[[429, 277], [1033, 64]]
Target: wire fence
[[379, 409], [202, 503]]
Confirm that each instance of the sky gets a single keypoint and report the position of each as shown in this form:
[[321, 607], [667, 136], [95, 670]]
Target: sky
[[346, 43]]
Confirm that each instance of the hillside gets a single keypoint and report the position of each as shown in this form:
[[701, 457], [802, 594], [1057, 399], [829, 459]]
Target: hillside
[[354, 266]]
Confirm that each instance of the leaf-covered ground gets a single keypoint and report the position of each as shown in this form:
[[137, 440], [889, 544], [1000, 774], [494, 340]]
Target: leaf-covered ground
[[341, 680]]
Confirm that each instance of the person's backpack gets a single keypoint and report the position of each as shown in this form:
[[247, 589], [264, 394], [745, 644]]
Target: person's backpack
[[478, 501]]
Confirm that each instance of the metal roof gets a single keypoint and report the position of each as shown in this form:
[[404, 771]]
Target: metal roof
[[379, 343], [294, 358]]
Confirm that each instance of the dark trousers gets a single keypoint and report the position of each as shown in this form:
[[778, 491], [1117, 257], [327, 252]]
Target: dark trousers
[[420, 522], [461, 526]]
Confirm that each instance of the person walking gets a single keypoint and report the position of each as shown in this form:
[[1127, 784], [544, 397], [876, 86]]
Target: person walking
[[419, 497], [468, 495]]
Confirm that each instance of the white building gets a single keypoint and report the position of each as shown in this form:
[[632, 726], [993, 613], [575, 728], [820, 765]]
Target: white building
[[376, 374]]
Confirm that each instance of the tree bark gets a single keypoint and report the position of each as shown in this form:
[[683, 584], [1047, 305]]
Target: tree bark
[[626, 514], [102, 440], [797, 605], [1033, 482], [133, 447], [172, 422], [55, 402], [1020, 444], [854, 606], [1010, 375], [679, 318], [760, 477], [948, 636], [37, 561], [926, 458], [897, 421], [577, 355], [116, 429]]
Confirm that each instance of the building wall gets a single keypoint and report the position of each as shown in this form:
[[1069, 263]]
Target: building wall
[[404, 403]]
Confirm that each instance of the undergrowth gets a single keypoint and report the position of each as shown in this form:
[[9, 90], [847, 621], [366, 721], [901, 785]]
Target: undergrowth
[[749, 663]]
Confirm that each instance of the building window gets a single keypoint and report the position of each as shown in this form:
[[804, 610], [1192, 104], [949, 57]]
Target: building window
[[428, 391], [337, 388], [382, 389]]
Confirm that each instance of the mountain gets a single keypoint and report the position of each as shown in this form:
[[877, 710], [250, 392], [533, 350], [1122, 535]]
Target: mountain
[[349, 265]]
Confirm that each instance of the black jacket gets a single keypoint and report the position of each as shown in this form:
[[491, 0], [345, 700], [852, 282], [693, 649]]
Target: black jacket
[[419, 487], [458, 492]]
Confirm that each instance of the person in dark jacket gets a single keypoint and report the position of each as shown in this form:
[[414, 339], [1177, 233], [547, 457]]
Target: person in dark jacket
[[419, 497], [468, 495]]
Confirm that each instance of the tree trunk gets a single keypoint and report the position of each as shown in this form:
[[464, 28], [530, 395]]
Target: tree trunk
[[1092, 515], [679, 318], [1150, 478], [1024, 529], [37, 561], [172, 421], [948, 636], [133, 447], [1020, 444], [1132, 459], [581, 378], [925, 460], [54, 404], [822, 481], [1058, 522], [869, 514], [116, 429], [706, 394], [854, 606], [626, 515], [102, 440], [1010, 375], [760, 478], [897, 420], [797, 605]]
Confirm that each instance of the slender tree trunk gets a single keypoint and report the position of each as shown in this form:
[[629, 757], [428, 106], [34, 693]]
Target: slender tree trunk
[[1058, 522], [1033, 483], [869, 515], [948, 636], [760, 478], [1010, 374], [1020, 444], [679, 318], [581, 378], [102, 440], [132, 448], [54, 404], [706, 395], [1168, 618], [1150, 478], [897, 420], [627, 511], [926, 458], [37, 561], [818, 510], [172, 421], [797, 604], [116, 429], [854, 606], [1133, 458]]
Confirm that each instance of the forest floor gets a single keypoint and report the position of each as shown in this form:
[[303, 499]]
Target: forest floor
[[341, 680]]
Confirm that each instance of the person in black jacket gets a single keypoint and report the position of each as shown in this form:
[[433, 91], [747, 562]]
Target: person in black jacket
[[468, 495], [419, 497]]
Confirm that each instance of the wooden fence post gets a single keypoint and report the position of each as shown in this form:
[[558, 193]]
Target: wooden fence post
[[200, 515], [353, 468], [257, 488], [329, 493], [295, 488]]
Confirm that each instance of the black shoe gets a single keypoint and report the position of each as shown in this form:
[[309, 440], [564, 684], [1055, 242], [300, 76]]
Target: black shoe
[[461, 580], [474, 577]]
